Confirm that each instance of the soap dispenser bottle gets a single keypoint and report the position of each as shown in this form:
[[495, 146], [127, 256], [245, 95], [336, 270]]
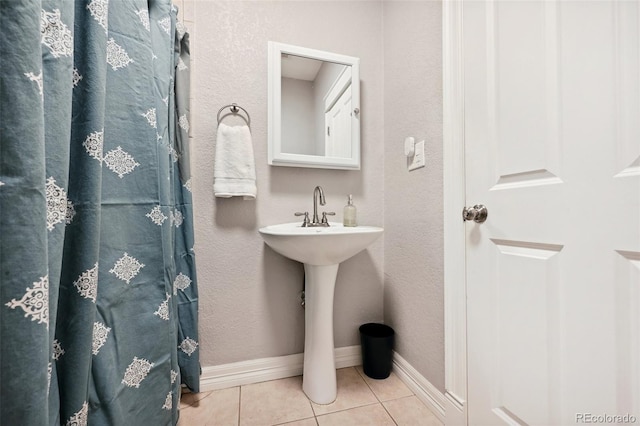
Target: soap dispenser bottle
[[349, 217]]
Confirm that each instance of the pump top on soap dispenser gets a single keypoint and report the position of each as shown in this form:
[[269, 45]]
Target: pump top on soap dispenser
[[349, 217]]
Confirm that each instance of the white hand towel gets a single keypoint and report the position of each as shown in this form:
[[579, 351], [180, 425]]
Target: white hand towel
[[234, 172]]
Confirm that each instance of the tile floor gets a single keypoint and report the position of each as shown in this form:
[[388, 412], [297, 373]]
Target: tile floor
[[361, 401]]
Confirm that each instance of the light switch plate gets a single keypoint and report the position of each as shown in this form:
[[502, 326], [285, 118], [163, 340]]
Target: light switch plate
[[418, 157]]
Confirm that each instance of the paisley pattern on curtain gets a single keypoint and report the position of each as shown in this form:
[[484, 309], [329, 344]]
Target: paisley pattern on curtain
[[98, 293]]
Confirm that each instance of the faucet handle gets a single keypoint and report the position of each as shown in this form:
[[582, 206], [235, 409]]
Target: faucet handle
[[324, 217], [305, 222]]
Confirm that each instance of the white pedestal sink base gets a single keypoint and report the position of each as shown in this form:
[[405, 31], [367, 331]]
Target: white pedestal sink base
[[321, 249], [319, 371]]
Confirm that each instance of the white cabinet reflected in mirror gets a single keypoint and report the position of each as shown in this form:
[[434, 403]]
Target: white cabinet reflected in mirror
[[314, 108]]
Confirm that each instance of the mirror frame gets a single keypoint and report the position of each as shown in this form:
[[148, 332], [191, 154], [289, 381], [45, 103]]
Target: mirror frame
[[275, 155]]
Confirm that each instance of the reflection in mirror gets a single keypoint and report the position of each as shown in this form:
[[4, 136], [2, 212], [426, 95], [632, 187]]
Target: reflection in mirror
[[313, 108], [311, 98]]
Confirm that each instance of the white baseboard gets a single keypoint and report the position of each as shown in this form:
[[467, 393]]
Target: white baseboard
[[264, 369], [421, 387]]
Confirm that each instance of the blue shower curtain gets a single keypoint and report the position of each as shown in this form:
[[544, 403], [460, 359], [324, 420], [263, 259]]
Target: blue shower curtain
[[98, 296]]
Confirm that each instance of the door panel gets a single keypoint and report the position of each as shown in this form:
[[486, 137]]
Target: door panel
[[527, 341], [627, 274], [627, 88], [552, 148], [339, 121], [520, 39]]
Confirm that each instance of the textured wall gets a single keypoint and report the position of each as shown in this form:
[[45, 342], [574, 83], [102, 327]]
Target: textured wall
[[298, 111], [249, 307], [249, 304], [413, 267]]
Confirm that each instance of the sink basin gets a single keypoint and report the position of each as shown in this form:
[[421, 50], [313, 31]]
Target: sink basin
[[319, 245], [321, 250]]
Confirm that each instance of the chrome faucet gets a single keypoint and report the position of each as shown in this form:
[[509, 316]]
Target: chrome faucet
[[318, 193]]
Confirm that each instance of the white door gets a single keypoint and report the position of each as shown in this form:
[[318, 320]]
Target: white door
[[338, 122], [552, 149]]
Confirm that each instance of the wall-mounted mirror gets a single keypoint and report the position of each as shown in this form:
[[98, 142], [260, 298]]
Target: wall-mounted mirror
[[314, 108]]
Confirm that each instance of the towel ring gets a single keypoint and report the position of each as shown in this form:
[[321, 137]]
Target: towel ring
[[234, 110]]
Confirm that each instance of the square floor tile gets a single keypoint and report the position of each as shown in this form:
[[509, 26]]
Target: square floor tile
[[411, 411], [390, 388], [217, 408], [352, 392], [274, 402], [370, 415]]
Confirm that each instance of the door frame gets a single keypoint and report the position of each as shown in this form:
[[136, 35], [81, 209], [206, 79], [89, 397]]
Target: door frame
[[455, 288]]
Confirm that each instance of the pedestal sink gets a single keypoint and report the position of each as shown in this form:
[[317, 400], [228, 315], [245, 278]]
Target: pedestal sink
[[321, 249]]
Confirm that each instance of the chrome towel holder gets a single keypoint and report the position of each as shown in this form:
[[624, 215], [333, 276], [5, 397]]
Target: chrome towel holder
[[235, 109]]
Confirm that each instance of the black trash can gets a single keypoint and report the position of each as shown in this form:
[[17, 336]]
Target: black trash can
[[377, 349]]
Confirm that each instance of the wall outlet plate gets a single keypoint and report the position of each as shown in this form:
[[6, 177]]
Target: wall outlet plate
[[418, 159]]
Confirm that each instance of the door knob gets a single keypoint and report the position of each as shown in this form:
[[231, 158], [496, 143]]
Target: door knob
[[477, 213]]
